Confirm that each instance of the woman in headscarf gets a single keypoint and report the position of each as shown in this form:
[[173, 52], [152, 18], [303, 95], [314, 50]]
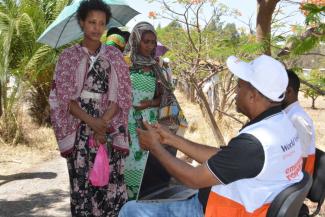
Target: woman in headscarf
[[90, 100], [148, 86], [117, 38]]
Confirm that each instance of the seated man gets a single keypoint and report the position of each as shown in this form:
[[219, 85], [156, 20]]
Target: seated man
[[301, 121], [247, 174]]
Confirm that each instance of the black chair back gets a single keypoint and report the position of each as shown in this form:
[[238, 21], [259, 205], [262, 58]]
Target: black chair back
[[317, 190], [288, 202]]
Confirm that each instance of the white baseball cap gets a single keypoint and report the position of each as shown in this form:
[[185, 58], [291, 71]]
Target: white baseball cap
[[264, 73]]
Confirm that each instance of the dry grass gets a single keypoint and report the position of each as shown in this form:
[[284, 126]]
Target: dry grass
[[40, 146], [318, 116]]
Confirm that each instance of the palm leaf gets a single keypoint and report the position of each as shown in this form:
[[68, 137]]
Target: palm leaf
[[44, 56], [4, 22]]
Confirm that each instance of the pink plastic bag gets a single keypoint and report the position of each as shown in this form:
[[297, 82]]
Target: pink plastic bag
[[99, 174]]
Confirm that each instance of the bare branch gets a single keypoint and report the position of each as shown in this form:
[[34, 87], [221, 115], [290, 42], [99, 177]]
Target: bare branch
[[188, 30], [168, 8], [210, 76], [231, 116], [317, 54]]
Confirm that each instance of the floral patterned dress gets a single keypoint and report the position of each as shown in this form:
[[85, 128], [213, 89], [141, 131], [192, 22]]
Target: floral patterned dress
[[143, 88], [88, 200]]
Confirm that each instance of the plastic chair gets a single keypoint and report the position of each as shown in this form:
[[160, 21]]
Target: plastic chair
[[317, 190], [289, 201]]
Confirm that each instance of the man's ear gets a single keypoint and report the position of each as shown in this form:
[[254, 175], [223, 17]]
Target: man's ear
[[253, 95], [289, 91]]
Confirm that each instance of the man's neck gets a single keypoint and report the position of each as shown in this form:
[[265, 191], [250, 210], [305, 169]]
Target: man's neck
[[262, 109]]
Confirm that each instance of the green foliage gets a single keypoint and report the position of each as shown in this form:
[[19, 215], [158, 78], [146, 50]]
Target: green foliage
[[306, 45], [317, 79], [38, 97], [313, 34], [25, 60], [315, 13]]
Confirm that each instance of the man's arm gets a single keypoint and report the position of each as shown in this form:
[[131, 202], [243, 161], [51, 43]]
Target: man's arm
[[196, 151], [193, 177], [228, 165]]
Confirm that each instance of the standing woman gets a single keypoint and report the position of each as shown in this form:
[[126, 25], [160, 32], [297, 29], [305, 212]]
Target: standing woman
[[90, 98], [147, 88]]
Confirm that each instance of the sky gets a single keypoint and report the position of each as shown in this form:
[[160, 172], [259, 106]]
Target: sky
[[246, 7]]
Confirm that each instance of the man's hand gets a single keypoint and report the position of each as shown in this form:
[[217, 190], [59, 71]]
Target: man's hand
[[164, 133], [149, 139]]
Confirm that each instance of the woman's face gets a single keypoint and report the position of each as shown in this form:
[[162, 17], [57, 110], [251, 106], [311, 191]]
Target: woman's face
[[148, 44], [94, 25]]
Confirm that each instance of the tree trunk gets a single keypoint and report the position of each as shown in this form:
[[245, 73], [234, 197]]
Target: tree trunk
[[0, 99], [215, 129], [265, 9], [313, 99]]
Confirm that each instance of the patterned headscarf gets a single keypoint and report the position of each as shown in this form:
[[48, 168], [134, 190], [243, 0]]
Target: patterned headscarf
[[134, 45], [138, 60], [116, 41]]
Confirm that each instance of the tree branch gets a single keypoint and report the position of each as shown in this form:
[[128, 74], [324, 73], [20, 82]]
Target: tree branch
[[228, 115], [317, 54], [317, 89], [211, 75]]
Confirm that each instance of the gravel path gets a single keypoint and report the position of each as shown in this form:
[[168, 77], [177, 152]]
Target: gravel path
[[40, 191], [43, 191]]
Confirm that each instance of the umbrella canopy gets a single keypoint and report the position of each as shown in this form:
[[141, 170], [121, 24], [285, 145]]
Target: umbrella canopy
[[161, 49], [65, 27]]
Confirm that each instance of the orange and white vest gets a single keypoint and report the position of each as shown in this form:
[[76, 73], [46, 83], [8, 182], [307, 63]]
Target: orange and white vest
[[306, 132], [282, 167]]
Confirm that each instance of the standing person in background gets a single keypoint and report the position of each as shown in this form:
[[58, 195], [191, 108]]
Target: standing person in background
[[301, 121], [167, 70], [90, 99], [117, 38], [147, 89]]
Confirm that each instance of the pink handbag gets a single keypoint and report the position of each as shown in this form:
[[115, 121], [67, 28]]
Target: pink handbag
[[99, 174]]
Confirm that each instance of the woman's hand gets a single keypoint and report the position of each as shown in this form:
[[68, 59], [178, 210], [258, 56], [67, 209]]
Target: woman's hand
[[100, 139], [143, 105], [98, 125]]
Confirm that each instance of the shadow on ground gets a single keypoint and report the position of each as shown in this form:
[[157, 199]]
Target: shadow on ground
[[31, 205], [23, 176]]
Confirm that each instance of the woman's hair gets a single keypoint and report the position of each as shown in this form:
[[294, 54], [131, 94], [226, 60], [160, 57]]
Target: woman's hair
[[93, 5], [114, 30], [126, 35], [147, 32]]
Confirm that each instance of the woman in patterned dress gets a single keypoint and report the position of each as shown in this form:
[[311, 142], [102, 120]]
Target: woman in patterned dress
[[147, 87], [90, 98]]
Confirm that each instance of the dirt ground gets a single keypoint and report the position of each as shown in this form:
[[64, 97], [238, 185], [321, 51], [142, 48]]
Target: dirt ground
[[34, 180]]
